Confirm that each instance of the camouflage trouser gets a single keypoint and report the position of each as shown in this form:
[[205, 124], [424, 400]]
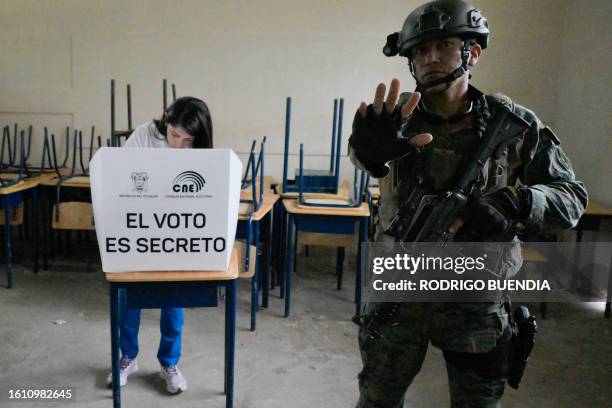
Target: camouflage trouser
[[476, 380]]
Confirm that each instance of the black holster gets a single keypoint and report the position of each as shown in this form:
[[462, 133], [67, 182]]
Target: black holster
[[383, 315], [524, 329]]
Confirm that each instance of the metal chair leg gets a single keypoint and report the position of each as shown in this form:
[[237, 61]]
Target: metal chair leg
[[339, 267]]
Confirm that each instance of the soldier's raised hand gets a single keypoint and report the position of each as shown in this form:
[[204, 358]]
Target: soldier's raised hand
[[377, 137]]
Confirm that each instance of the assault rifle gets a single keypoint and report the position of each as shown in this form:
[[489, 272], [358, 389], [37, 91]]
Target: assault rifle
[[427, 218]]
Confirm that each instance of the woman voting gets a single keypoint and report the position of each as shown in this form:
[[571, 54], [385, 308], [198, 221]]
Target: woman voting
[[185, 124]]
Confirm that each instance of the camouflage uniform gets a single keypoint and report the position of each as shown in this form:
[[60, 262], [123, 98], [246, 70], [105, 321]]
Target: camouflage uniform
[[473, 336]]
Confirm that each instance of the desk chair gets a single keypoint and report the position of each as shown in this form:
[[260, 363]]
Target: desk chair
[[248, 227], [118, 135], [83, 219], [12, 199], [256, 172], [359, 184], [13, 171], [323, 220], [76, 212], [338, 240], [321, 181]]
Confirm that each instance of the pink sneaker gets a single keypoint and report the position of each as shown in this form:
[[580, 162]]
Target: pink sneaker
[[175, 381], [127, 366]]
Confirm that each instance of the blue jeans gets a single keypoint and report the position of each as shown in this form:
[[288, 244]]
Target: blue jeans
[[170, 325]]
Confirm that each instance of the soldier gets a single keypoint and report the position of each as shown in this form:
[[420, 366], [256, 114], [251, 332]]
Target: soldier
[[420, 140]]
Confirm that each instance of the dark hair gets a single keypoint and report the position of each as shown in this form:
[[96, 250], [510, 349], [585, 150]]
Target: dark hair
[[193, 116]]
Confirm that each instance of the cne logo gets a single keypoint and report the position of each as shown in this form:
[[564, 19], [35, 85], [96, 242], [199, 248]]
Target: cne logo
[[188, 182]]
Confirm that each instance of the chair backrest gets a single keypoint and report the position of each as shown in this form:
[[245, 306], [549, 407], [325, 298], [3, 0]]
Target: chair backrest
[[247, 168], [77, 148], [17, 171], [360, 182], [287, 135], [256, 170], [335, 158], [336, 142], [165, 93], [116, 135], [259, 168]]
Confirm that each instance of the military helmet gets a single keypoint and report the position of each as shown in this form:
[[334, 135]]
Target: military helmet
[[438, 19]]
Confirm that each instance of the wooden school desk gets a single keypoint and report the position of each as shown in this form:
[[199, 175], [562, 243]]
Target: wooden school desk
[[8, 194], [76, 222], [326, 220], [280, 226], [592, 217], [154, 290], [591, 221]]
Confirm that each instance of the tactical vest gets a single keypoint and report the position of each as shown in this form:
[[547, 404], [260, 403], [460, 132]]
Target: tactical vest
[[435, 167]]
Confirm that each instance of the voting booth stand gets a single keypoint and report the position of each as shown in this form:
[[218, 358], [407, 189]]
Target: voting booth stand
[[165, 222]]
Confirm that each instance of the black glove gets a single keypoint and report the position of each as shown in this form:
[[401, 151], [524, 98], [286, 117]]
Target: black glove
[[492, 216], [377, 139]]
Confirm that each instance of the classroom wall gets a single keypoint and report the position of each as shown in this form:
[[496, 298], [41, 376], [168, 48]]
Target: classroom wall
[[584, 115], [244, 59]]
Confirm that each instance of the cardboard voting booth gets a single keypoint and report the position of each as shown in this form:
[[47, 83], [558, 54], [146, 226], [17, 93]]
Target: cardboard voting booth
[[165, 209]]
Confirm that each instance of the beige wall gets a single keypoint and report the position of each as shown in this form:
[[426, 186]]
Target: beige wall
[[244, 58], [584, 116]]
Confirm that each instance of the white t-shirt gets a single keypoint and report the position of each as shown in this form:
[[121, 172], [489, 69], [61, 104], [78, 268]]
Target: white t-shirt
[[147, 135]]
